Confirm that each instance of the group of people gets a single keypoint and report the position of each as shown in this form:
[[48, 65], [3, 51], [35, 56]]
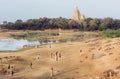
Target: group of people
[[57, 56], [11, 69]]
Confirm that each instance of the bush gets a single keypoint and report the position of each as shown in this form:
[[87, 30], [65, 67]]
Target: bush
[[111, 33]]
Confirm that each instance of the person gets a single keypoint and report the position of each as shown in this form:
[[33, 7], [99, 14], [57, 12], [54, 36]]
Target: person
[[56, 56], [80, 52], [38, 56], [31, 65], [8, 66], [86, 57], [12, 73], [51, 72], [60, 55], [56, 53], [50, 45]]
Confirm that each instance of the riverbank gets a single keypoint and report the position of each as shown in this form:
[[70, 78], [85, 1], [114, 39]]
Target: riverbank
[[99, 55], [89, 56], [18, 40]]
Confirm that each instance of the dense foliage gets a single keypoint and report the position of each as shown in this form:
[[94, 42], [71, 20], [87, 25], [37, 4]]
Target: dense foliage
[[111, 33], [88, 24]]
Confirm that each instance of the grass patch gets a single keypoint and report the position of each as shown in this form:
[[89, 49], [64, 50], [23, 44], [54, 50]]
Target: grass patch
[[111, 33], [33, 35], [63, 40], [84, 36]]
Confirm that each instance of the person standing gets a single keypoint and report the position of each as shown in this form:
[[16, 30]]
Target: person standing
[[51, 72], [56, 56], [38, 56], [60, 55], [50, 45], [80, 52], [8, 66], [12, 73], [31, 65]]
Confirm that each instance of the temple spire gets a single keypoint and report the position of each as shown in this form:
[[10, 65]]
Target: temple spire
[[77, 15]]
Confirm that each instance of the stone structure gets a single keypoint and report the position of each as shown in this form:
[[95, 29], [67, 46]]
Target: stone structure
[[77, 15]]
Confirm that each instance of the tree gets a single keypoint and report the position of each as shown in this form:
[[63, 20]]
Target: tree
[[102, 26], [93, 25], [63, 23], [109, 22], [4, 22]]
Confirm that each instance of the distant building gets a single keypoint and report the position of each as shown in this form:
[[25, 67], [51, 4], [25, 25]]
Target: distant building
[[78, 16]]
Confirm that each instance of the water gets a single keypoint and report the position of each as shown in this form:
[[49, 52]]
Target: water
[[13, 44]]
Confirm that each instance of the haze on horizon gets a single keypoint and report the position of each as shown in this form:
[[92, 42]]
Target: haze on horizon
[[11, 10]]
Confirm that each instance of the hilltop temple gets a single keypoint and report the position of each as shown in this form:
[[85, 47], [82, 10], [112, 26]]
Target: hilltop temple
[[77, 15]]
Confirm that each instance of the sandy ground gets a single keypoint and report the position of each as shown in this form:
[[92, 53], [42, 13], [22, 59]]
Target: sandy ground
[[98, 55]]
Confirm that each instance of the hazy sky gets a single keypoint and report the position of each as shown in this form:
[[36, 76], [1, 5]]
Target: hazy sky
[[11, 10]]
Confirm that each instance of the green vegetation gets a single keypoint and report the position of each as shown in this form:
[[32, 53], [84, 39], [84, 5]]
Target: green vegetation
[[89, 24], [43, 36], [84, 36], [111, 33], [34, 35]]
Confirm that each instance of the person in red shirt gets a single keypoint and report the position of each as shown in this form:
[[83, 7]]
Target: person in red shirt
[[51, 71], [80, 52]]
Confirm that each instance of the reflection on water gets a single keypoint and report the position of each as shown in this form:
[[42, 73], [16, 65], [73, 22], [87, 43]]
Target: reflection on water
[[13, 44]]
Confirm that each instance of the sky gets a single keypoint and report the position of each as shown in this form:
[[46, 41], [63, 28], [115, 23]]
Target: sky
[[11, 10]]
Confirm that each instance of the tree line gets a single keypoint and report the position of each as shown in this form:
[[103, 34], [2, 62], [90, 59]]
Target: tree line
[[89, 24]]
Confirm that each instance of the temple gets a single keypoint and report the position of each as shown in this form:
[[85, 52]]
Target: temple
[[78, 16]]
